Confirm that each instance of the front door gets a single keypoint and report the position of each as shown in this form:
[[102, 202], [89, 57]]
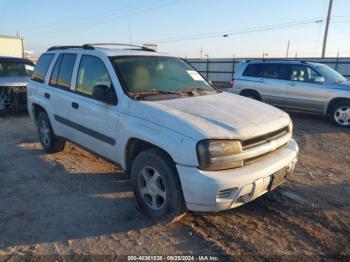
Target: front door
[[94, 122], [302, 91]]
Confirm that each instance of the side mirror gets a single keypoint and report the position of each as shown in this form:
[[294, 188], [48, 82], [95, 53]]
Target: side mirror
[[319, 80], [104, 94]]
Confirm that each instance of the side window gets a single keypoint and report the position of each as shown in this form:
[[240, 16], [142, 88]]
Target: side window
[[62, 72], [56, 68], [41, 67], [92, 72], [251, 70], [303, 73], [269, 71]]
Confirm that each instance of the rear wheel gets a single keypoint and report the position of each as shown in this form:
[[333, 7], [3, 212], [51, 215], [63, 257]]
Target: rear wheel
[[47, 137], [340, 114], [157, 187], [251, 94]]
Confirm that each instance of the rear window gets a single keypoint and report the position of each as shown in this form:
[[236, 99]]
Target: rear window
[[41, 67], [16, 68], [268, 70]]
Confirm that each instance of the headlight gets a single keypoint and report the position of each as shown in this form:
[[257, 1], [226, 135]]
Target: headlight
[[290, 127], [217, 154]]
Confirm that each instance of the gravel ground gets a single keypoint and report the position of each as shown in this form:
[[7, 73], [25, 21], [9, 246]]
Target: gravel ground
[[75, 203]]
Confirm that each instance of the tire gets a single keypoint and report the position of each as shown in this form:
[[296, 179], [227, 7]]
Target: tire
[[340, 114], [251, 94], [47, 137], [157, 187]]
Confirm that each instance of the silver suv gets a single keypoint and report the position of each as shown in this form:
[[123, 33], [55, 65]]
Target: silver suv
[[296, 85]]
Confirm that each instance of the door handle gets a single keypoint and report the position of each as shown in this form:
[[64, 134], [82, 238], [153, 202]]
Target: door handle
[[75, 105], [47, 95]]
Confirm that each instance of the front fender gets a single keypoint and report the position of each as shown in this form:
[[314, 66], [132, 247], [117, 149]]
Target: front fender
[[182, 149]]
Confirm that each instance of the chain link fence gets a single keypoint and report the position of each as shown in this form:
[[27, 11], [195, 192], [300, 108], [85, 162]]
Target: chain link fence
[[222, 69]]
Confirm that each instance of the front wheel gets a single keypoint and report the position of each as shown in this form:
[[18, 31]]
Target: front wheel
[[47, 137], [157, 187], [340, 114]]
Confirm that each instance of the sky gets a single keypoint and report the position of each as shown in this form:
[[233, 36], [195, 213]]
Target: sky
[[187, 28]]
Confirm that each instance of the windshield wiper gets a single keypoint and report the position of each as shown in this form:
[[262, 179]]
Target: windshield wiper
[[140, 95], [191, 89], [341, 81]]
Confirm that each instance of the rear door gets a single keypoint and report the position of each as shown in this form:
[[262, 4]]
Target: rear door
[[93, 122], [268, 80], [302, 91], [59, 92], [272, 85]]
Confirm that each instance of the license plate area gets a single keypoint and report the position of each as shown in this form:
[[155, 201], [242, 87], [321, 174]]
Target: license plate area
[[278, 178]]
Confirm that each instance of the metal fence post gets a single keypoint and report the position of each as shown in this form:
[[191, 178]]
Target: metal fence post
[[207, 67], [337, 62], [233, 66]]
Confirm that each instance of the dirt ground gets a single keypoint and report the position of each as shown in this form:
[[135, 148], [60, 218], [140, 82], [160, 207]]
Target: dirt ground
[[75, 203]]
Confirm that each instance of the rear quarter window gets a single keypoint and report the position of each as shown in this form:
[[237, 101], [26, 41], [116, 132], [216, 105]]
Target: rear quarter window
[[251, 70], [42, 67]]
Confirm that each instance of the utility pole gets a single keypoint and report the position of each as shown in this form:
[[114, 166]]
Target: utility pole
[[287, 54], [201, 53], [327, 27], [130, 36]]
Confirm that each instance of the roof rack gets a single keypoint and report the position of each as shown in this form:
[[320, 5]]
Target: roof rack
[[276, 59], [122, 44], [92, 46], [70, 47]]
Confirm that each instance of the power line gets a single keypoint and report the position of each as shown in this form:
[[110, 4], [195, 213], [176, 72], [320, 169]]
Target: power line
[[93, 17], [238, 31], [114, 17]]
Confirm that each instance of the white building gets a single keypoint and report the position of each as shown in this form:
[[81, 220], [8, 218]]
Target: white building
[[11, 46]]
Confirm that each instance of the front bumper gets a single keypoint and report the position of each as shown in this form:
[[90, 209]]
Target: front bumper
[[208, 191]]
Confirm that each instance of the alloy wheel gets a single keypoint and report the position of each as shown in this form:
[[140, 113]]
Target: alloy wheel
[[152, 188], [44, 133], [342, 115]]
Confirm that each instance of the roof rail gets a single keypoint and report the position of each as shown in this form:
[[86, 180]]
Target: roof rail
[[70, 47], [275, 59], [92, 46], [121, 44]]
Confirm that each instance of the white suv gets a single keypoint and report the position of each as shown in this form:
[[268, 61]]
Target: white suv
[[184, 145]]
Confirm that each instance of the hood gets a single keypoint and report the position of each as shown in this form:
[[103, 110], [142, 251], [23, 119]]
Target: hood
[[224, 115], [14, 81], [342, 87]]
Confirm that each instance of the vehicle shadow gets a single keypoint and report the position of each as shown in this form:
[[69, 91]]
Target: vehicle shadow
[[285, 214], [42, 202], [313, 124]]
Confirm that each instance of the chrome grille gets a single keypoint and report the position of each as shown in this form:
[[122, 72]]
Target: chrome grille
[[263, 139], [253, 148]]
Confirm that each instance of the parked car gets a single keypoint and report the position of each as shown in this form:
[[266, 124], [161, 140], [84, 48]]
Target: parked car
[[296, 85], [183, 144], [14, 76]]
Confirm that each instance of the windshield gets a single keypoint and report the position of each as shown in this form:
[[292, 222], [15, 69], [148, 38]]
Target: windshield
[[330, 74], [14, 68], [154, 75]]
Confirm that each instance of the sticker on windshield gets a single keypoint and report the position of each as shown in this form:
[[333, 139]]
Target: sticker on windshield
[[195, 75], [29, 67]]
